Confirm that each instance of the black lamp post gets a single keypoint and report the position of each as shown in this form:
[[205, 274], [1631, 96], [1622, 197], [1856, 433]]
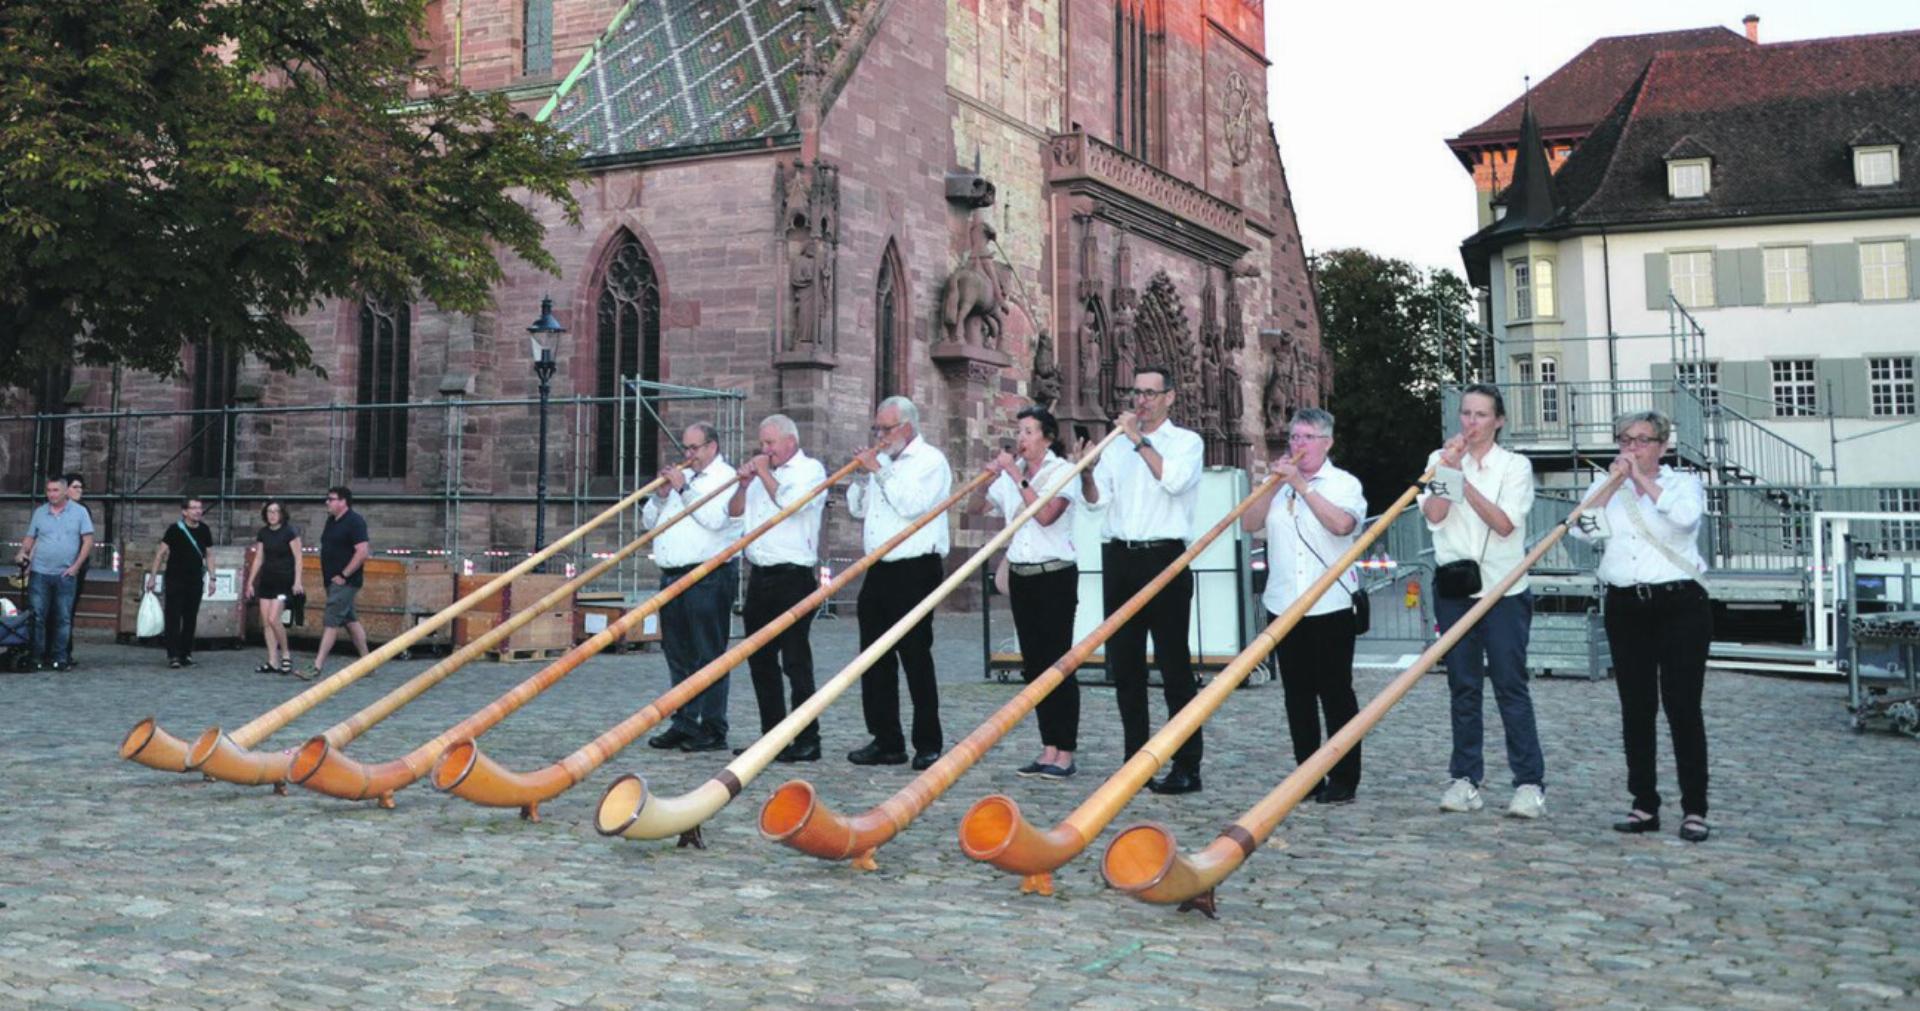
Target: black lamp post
[[543, 368]]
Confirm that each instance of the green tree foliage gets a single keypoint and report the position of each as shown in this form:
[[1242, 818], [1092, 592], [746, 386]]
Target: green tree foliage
[[175, 171], [1393, 334]]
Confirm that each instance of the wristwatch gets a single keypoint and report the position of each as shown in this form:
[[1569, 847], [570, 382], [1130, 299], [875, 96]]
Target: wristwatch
[[1023, 482]]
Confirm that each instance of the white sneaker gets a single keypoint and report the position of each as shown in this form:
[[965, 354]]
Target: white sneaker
[[1461, 796], [1529, 801]]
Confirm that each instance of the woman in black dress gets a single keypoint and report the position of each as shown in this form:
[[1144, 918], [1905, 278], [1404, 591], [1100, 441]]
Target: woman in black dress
[[273, 577]]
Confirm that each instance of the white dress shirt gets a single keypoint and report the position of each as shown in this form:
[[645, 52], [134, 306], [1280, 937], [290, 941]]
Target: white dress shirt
[[1506, 479], [1674, 522], [1033, 543], [1140, 507], [704, 534], [902, 491], [1295, 534], [796, 541]]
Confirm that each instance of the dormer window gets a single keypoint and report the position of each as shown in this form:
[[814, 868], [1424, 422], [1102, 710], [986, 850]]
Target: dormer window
[[1876, 165], [1689, 178]]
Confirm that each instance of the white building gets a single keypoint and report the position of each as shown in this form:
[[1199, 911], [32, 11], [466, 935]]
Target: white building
[[1773, 191]]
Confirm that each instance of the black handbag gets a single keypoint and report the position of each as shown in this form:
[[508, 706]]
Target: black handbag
[[1457, 580]]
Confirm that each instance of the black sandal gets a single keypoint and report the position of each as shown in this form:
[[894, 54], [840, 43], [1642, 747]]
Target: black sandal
[[1638, 821], [266, 668], [1693, 828], [286, 665]]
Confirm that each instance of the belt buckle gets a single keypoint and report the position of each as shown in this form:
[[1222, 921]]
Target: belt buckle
[[1644, 591]]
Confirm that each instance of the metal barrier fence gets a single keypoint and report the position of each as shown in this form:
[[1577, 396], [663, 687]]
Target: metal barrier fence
[[1578, 417]]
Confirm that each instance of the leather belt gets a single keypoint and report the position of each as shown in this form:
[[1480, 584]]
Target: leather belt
[[1648, 591], [1155, 544], [782, 566], [1039, 568]]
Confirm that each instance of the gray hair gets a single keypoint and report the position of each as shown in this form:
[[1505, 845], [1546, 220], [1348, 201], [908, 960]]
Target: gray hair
[[1321, 420], [706, 430], [908, 413], [1662, 425], [782, 424]]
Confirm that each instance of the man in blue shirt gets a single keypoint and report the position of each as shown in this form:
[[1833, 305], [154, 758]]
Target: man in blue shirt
[[59, 539]]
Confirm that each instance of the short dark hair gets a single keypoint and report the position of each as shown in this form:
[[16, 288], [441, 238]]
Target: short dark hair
[[270, 503], [54, 479], [187, 501], [1165, 374], [1049, 426], [342, 492], [73, 477]]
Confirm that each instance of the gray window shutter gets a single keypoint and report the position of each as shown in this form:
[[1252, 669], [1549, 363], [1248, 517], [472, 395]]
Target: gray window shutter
[[1913, 269], [1726, 277], [1830, 394], [1755, 379], [1753, 280], [1656, 281], [1836, 272]]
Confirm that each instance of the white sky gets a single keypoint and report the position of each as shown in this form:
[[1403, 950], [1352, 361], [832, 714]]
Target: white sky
[[1364, 95]]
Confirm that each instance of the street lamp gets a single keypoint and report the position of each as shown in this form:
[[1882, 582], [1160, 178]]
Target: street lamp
[[543, 368]]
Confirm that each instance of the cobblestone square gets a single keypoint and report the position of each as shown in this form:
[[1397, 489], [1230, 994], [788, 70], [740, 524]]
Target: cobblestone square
[[126, 887]]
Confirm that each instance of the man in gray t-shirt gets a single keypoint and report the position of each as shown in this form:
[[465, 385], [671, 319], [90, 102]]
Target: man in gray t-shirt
[[59, 539]]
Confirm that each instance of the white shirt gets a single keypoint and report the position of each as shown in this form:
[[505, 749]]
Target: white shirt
[[1674, 522], [1033, 543], [902, 491], [1138, 506], [796, 541], [704, 534], [1295, 534], [1506, 479]]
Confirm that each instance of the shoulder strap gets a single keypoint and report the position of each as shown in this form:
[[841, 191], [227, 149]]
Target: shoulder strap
[[182, 524], [1301, 536], [1640, 526]]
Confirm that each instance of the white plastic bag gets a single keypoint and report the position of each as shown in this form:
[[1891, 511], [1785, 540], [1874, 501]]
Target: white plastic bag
[[153, 620]]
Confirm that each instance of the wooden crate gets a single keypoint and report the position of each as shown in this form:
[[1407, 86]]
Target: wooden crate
[[221, 616], [397, 594], [550, 631], [593, 612]]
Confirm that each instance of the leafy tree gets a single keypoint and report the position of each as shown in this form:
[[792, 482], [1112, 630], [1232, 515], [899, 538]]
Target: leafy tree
[[1393, 334], [174, 171]]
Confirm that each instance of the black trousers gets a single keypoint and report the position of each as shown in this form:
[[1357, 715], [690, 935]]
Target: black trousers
[[1165, 618], [890, 590], [181, 604], [1659, 647], [771, 590], [693, 631], [1043, 607], [1316, 672]]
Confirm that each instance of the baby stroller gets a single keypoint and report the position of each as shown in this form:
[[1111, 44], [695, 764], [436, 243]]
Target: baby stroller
[[16, 641]]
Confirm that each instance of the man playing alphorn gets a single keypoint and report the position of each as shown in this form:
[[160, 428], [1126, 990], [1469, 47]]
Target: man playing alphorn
[[694, 625], [782, 573], [905, 477], [1147, 489]]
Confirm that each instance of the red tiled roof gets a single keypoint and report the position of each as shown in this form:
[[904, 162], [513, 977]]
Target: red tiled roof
[[1576, 96]]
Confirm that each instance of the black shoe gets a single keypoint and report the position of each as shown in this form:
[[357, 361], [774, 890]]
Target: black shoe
[[1176, 781], [923, 760], [1335, 795], [1319, 790], [57, 666], [1030, 769], [673, 737], [798, 752], [1635, 826], [173, 663], [872, 754], [1693, 828], [1056, 772], [186, 661], [705, 742]]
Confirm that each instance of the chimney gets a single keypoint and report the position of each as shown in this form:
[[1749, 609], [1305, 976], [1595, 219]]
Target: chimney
[[1752, 21]]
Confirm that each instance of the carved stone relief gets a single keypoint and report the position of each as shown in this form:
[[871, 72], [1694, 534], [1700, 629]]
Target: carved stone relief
[[809, 201]]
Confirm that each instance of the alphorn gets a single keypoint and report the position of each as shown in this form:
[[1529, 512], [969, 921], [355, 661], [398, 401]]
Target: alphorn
[[993, 829], [466, 772], [330, 771], [216, 755], [627, 808], [1143, 860], [795, 815], [153, 747]]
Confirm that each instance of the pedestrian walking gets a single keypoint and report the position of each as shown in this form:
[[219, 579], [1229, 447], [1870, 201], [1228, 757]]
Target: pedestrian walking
[[345, 547], [274, 582]]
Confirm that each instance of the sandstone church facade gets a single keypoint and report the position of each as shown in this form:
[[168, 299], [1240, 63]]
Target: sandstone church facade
[[976, 203]]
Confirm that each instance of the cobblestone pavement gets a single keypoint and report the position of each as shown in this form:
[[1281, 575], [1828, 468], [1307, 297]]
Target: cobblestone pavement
[[125, 887]]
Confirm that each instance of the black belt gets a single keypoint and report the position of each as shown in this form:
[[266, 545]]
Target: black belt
[[1152, 545], [783, 566], [676, 571], [909, 558], [1648, 591]]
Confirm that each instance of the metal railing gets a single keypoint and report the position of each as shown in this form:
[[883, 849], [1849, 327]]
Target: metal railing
[[1741, 450], [1577, 418]]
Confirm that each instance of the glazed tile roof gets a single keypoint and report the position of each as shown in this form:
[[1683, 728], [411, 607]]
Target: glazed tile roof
[[682, 73]]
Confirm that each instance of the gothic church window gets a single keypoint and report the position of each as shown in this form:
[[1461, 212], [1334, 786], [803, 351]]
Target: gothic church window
[[1139, 53], [889, 327], [627, 346], [385, 372], [216, 371], [537, 39]]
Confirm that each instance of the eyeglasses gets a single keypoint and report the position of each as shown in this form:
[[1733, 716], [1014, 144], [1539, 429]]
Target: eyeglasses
[[1624, 441], [695, 447], [1299, 437], [884, 429], [1138, 392]]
